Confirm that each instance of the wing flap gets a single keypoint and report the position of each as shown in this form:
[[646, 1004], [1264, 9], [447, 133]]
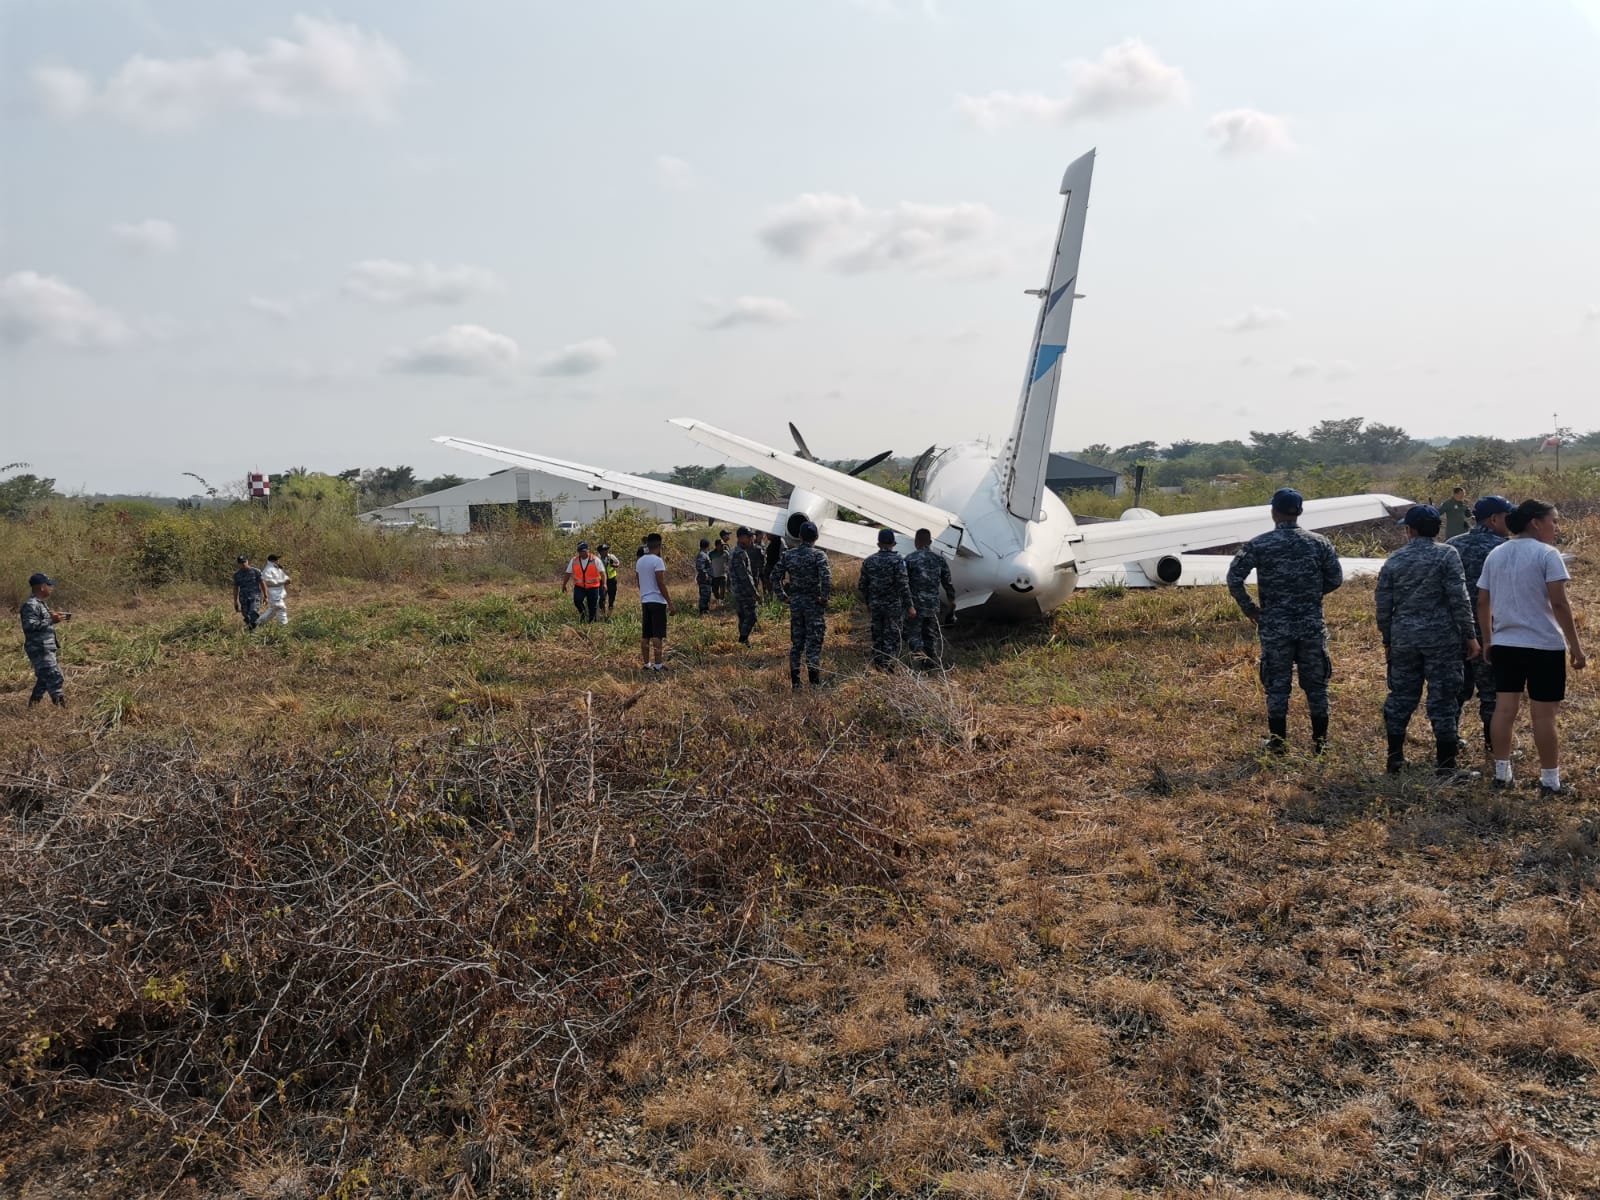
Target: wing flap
[[871, 501], [1116, 542]]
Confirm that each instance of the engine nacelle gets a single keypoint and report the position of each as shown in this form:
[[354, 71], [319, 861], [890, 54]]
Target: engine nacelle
[[1164, 570], [807, 506]]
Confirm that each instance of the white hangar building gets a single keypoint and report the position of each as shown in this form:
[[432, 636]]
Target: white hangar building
[[493, 500]]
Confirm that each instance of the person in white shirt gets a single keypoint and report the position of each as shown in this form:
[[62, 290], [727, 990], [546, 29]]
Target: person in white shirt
[[1525, 619], [277, 581], [654, 599]]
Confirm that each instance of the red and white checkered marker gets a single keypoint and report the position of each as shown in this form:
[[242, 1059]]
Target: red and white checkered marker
[[260, 484]]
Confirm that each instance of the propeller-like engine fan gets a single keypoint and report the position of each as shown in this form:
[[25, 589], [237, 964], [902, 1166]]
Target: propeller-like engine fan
[[804, 451]]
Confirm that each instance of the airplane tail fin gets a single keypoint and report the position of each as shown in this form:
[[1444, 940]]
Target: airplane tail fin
[[1027, 454]]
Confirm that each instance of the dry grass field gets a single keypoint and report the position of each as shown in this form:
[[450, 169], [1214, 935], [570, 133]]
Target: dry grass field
[[434, 894]]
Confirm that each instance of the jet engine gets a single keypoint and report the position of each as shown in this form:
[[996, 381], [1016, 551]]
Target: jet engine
[[1166, 569]]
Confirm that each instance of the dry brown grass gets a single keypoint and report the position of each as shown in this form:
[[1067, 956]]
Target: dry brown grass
[[1105, 952]]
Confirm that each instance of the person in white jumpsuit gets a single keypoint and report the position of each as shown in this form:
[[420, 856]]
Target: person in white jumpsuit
[[277, 581]]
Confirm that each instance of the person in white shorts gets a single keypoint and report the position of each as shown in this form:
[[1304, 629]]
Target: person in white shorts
[[277, 581]]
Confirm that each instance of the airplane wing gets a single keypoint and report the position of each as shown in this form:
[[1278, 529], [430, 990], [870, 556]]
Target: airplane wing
[[1114, 543], [1201, 570], [871, 501], [842, 536]]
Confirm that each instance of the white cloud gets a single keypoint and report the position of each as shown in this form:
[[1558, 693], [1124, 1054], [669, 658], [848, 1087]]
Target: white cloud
[[580, 358], [323, 66], [1126, 77], [150, 236], [277, 310], [42, 308], [752, 310], [675, 174], [1255, 317], [459, 350], [384, 281], [1309, 368], [1248, 131], [851, 237]]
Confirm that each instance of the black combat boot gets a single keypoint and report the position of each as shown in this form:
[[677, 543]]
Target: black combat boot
[[794, 679], [816, 677], [1277, 735], [33, 701], [59, 700], [1445, 751], [1397, 753], [1319, 734]]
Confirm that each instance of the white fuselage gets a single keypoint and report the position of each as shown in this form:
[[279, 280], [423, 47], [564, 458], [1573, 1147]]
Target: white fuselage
[[1018, 570]]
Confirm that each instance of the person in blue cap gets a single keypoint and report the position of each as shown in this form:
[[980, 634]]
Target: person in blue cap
[[1425, 619], [804, 580], [1489, 531], [886, 591], [39, 622], [1294, 568]]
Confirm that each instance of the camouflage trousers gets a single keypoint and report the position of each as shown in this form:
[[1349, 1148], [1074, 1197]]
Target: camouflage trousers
[[1409, 667], [808, 625], [705, 596], [250, 610], [1478, 677], [1281, 656], [887, 623], [923, 631], [745, 606], [46, 673]]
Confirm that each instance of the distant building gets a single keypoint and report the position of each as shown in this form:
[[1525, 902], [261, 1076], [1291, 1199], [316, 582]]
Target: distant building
[[498, 498], [1069, 475]]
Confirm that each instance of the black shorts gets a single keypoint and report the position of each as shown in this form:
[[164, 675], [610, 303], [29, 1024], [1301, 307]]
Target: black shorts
[[655, 619], [1542, 672]]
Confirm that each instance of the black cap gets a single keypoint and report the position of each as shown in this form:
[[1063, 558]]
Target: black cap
[[242, 558], [603, 548], [705, 543], [1489, 506], [39, 577], [272, 558], [583, 545], [885, 537], [1420, 517], [743, 531], [808, 532], [1287, 500]]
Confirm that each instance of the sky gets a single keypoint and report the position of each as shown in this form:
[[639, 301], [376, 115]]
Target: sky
[[250, 236]]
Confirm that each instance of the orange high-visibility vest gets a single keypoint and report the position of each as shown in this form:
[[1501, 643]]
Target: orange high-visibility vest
[[586, 573]]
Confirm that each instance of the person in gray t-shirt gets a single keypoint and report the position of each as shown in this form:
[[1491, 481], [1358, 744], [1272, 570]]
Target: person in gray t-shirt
[[1528, 635]]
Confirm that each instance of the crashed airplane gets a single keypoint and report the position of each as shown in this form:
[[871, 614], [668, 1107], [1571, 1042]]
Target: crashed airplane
[[1015, 550]]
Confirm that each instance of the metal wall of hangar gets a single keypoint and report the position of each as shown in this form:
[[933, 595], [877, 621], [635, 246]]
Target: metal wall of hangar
[[539, 497]]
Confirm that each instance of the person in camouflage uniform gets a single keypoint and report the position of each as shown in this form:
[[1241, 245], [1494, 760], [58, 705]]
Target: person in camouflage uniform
[[886, 592], [1490, 531], [1295, 568], [1419, 582], [744, 578], [927, 572], [702, 575], [804, 580], [249, 592], [39, 641]]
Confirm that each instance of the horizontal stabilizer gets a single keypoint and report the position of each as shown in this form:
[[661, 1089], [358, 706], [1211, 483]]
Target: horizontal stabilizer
[[871, 501], [1114, 543], [841, 536]]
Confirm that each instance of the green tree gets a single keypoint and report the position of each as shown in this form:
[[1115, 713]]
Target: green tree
[[764, 489], [1276, 451], [21, 493], [1472, 466], [1135, 452], [313, 489], [1100, 454], [704, 479]]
